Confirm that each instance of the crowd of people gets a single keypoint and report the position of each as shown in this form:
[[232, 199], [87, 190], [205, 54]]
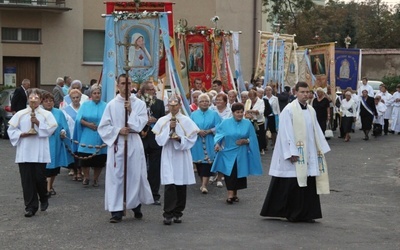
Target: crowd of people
[[144, 142]]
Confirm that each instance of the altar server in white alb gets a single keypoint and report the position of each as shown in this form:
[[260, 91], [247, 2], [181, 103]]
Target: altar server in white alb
[[33, 152], [298, 167], [177, 134], [113, 131], [396, 110]]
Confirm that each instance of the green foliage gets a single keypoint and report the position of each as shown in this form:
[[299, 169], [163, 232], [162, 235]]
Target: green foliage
[[391, 82], [284, 11], [3, 87], [370, 23]]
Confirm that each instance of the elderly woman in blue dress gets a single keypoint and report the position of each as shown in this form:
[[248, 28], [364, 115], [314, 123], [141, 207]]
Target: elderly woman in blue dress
[[71, 112], [58, 153], [238, 153], [91, 149], [203, 150]]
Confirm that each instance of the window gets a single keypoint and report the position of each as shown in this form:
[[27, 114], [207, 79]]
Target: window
[[20, 35], [93, 45]]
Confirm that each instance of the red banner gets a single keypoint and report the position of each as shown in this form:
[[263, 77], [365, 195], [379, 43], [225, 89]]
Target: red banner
[[198, 51]]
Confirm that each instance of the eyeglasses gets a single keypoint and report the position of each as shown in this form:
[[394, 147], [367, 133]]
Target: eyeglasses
[[150, 89]]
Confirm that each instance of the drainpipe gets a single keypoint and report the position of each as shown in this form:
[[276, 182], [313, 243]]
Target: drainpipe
[[255, 31]]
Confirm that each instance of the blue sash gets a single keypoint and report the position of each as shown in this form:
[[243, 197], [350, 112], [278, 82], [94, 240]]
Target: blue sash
[[71, 112]]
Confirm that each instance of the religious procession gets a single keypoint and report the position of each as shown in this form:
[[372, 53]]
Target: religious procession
[[166, 110]]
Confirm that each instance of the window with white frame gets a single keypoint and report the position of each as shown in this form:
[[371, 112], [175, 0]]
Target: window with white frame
[[23, 35], [93, 46]]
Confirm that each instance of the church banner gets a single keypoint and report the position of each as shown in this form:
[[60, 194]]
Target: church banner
[[263, 51], [238, 65], [175, 81], [111, 7], [132, 44], [274, 68], [347, 67], [226, 72], [322, 65], [199, 59]]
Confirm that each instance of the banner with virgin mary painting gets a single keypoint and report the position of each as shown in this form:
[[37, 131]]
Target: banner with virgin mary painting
[[138, 42], [131, 44]]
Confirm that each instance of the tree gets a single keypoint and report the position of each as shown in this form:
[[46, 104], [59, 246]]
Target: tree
[[285, 11], [370, 24]]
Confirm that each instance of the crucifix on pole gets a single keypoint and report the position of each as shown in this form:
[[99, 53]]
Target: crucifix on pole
[[127, 92]]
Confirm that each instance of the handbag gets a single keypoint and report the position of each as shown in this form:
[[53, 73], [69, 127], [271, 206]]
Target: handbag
[[328, 131]]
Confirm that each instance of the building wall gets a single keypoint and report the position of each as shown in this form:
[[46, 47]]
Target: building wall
[[379, 63], [61, 51]]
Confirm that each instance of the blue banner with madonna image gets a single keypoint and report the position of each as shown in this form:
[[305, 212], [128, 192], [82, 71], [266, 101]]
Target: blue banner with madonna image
[[347, 67], [132, 44]]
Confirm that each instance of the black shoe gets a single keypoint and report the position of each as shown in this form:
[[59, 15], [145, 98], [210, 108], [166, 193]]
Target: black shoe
[[138, 212], [138, 215], [177, 220], [340, 137], [44, 206], [29, 213], [157, 202], [115, 219], [392, 132], [167, 221], [366, 138]]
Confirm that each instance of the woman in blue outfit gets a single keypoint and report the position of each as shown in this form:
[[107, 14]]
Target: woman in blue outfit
[[203, 150], [58, 153], [238, 155], [91, 149]]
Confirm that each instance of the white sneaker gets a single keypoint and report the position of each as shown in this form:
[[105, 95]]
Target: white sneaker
[[219, 184], [212, 179]]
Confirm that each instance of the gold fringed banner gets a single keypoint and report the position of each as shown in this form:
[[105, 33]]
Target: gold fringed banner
[[322, 61], [263, 51]]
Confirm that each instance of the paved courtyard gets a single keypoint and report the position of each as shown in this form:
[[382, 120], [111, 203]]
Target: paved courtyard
[[362, 211]]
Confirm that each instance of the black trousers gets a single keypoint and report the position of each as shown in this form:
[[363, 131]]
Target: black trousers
[[153, 157], [386, 126], [261, 137], [174, 200], [34, 183]]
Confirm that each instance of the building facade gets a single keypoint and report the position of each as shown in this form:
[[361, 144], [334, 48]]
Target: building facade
[[44, 39]]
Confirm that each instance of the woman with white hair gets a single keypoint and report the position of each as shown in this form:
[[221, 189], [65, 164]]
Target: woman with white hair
[[195, 95], [203, 150], [71, 112], [348, 111], [76, 84], [91, 148]]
